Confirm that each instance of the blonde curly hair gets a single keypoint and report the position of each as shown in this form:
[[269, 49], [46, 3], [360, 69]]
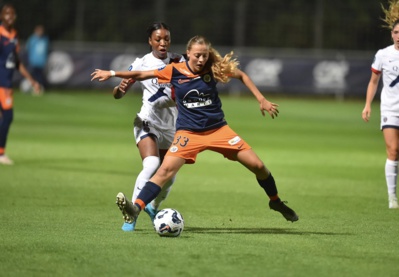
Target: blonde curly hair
[[222, 67], [391, 14]]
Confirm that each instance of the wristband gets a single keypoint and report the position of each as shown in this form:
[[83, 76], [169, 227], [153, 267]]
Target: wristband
[[112, 73]]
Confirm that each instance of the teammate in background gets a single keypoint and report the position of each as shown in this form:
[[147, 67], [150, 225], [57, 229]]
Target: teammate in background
[[200, 122], [154, 126], [9, 48], [386, 63], [37, 48]]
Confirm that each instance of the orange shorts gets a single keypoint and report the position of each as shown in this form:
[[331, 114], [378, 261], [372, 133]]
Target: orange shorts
[[224, 140], [6, 99]]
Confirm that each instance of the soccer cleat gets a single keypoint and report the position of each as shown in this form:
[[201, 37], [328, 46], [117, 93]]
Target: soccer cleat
[[128, 227], [393, 202], [129, 211], [4, 159], [151, 211], [287, 212]]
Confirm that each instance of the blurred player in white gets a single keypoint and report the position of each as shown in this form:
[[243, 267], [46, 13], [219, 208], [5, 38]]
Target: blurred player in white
[[154, 126], [386, 64]]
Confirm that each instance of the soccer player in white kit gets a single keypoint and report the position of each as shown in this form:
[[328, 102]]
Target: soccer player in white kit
[[386, 63], [154, 125]]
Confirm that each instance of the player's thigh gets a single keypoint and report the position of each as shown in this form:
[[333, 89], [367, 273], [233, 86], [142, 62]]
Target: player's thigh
[[166, 138], [148, 146], [391, 137], [169, 168]]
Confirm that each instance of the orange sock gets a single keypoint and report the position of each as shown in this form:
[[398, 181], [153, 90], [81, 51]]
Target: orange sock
[[274, 198], [140, 203]]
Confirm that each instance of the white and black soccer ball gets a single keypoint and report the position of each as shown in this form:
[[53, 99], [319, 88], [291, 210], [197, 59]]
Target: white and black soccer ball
[[168, 223]]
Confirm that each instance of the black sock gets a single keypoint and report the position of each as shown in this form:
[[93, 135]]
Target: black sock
[[269, 185]]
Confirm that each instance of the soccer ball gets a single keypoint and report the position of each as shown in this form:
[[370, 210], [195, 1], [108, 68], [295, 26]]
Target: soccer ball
[[168, 223]]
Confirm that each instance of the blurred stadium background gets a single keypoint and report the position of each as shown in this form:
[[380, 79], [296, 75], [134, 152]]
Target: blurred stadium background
[[315, 47]]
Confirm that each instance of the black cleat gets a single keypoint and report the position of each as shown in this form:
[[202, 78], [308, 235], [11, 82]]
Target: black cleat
[[129, 211], [287, 212]]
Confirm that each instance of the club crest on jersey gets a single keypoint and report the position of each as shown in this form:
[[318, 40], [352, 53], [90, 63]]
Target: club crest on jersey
[[234, 140], [173, 149], [207, 78]]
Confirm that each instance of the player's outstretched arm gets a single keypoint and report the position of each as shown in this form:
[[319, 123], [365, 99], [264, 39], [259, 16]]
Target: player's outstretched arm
[[264, 104], [103, 75]]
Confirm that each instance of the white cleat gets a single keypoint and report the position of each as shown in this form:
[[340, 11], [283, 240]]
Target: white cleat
[[4, 159], [393, 202]]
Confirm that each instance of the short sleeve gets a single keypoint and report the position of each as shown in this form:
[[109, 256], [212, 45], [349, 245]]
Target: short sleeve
[[136, 65], [164, 74], [376, 66]]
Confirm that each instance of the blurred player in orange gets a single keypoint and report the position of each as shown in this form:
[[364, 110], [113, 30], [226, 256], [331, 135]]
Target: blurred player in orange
[[200, 122], [386, 64], [9, 61], [154, 125]]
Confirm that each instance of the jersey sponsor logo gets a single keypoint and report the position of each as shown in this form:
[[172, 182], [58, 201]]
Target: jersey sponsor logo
[[198, 104], [235, 140], [130, 68], [161, 68], [173, 149], [180, 81], [195, 99], [154, 81]]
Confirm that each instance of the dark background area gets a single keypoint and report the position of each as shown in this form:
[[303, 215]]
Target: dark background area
[[301, 24]]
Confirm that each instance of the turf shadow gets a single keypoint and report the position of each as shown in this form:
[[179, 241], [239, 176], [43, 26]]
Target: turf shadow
[[281, 231]]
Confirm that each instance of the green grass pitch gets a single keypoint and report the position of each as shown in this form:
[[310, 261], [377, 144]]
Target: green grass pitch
[[74, 151]]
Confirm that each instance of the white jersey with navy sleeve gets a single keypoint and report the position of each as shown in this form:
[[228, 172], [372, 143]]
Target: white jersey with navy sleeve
[[386, 61], [158, 105]]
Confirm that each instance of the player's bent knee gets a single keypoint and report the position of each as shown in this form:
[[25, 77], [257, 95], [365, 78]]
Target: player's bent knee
[[151, 163]]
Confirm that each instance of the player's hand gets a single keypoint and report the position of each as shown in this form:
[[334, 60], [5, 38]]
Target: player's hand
[[366, 114], [125, 84], [271, 108], [37, 89], [122, 88], [101, 75]]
